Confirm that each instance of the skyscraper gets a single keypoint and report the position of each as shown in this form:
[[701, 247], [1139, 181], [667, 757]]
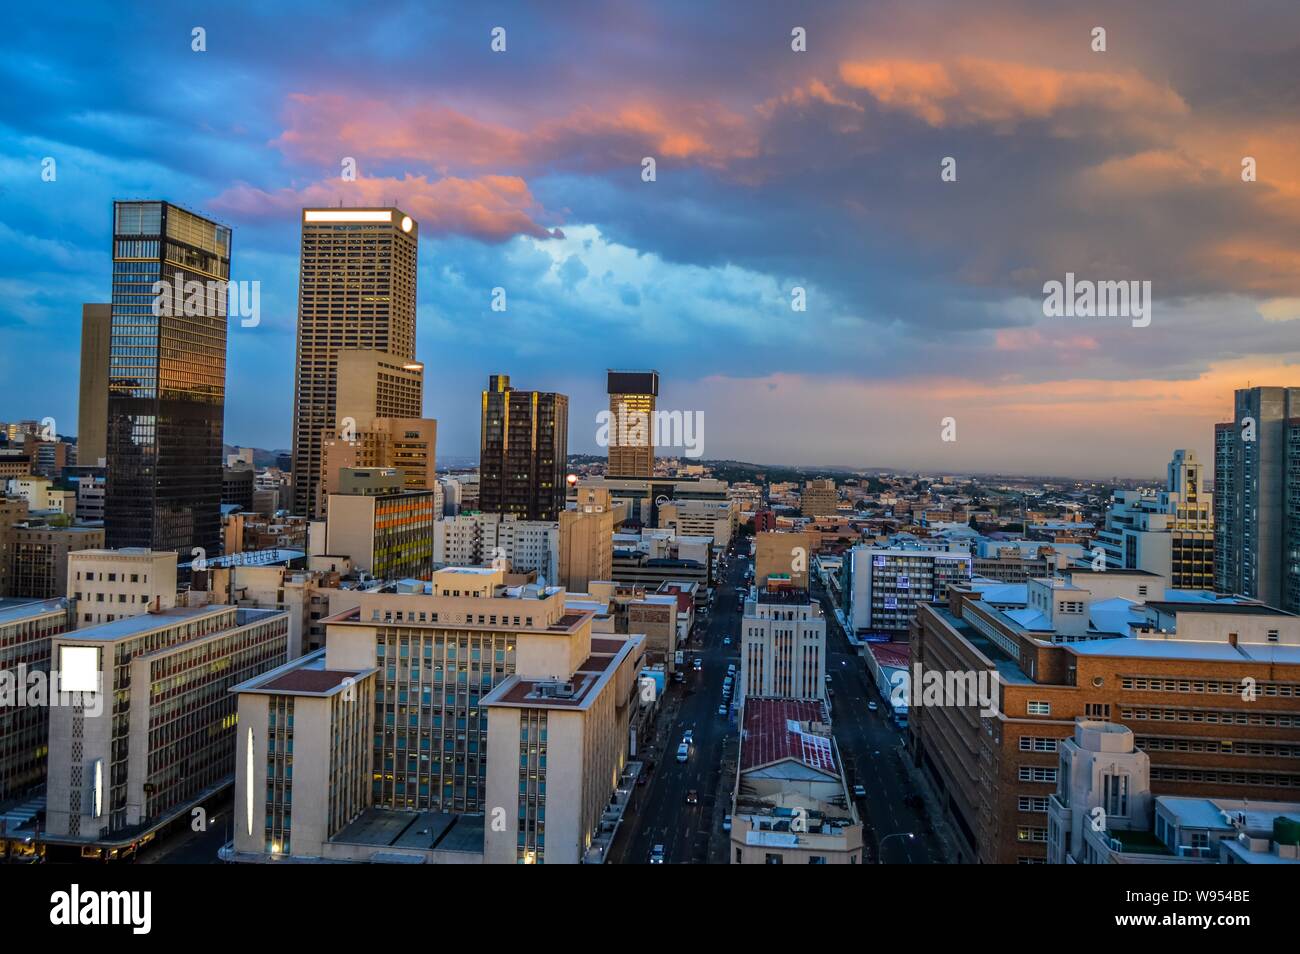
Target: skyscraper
[[166, 379], [356, 291], [523, 448], [632, 397], [1257, 498], [92, 410]]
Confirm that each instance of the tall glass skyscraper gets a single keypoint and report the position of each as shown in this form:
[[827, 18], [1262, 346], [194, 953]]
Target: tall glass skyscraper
[[166, 379], [523, 451]]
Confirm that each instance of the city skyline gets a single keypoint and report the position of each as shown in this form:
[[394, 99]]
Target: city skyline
[[775, 170]]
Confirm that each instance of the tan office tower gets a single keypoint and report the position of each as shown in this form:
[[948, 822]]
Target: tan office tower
[[356, 290], [632, 397], [92, 411]]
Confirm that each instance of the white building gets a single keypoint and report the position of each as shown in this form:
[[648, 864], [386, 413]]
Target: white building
[[113, 584], [782, 647], [493, 539], [889, 583]]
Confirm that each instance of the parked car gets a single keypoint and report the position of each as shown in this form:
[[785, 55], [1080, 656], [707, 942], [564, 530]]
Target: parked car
[[859, 791], [692, 797], [642, 778], [722, 710], [657, 855], [726, 823]]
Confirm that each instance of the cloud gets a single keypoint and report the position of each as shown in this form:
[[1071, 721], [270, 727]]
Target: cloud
[[491, 208]]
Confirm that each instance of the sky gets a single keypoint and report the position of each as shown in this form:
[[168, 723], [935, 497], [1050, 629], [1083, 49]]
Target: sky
[[779, 174]]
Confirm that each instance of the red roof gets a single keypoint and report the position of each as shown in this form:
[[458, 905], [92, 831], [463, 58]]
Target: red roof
[[308, 680], [773, 733], [897, 655]]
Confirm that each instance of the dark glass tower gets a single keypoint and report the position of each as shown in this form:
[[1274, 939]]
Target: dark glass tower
[[166, 379], [523, 451]]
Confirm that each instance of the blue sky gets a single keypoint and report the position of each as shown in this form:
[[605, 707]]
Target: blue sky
[[775, 169]]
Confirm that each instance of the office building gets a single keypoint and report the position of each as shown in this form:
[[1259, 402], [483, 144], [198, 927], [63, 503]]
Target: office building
[[523, 449], [104, 585], [39, 565], [92, 407], [700, 518], [167, 379], [819, 498], [782, 646], [386, 534], [888, 584], [1170, 533], [500, 540], [1257, 498], [159, 734], [25, 633], [356, 292], [407, 444], [586, 540], [632, 396], [1001, 673]]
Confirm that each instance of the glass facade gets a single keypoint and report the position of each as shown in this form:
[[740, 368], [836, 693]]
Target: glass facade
[[167, 379], [523, 451]]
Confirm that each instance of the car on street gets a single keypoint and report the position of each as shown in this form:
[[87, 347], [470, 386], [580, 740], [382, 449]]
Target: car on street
[[859, 791], [683, 752], [657, 855], [692, 797], [726, 640], [689, 736], [699, 664], [722, 710], [726, 823], [872, 706]]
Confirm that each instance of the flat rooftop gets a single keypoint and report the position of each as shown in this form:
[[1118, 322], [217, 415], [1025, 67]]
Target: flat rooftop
[[12, 611], [421, 831], [130, 626]]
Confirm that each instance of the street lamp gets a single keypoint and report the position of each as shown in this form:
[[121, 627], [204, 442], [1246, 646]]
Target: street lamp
[[880, 845]]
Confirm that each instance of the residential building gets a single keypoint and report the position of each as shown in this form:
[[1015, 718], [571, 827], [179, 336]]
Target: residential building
[[523, 450], [502, 540]]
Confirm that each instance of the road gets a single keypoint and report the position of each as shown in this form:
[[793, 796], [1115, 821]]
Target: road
[[873, 753], [184, 846], [662, 816]]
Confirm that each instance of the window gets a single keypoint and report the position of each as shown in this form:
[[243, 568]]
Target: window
[[1115, 794], [1040, 708]]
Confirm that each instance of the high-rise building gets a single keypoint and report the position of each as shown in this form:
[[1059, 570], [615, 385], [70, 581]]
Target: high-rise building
[[92, 409], [1257, 498], [782, 646], [632, 397], [819, 498], [888, 584], [523, 448], [587, 540], [407, 444], [166, 379], [356, 291], [1170, 533]]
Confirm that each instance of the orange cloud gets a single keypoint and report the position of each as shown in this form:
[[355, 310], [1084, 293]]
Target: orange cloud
[[971, 91], [490, 208]]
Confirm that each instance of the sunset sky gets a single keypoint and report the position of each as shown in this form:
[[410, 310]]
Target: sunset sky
[[775, 169]]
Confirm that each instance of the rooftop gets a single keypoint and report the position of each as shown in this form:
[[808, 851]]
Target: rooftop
[[422, 831], [26, 609], [131, 626], [779, 729]]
